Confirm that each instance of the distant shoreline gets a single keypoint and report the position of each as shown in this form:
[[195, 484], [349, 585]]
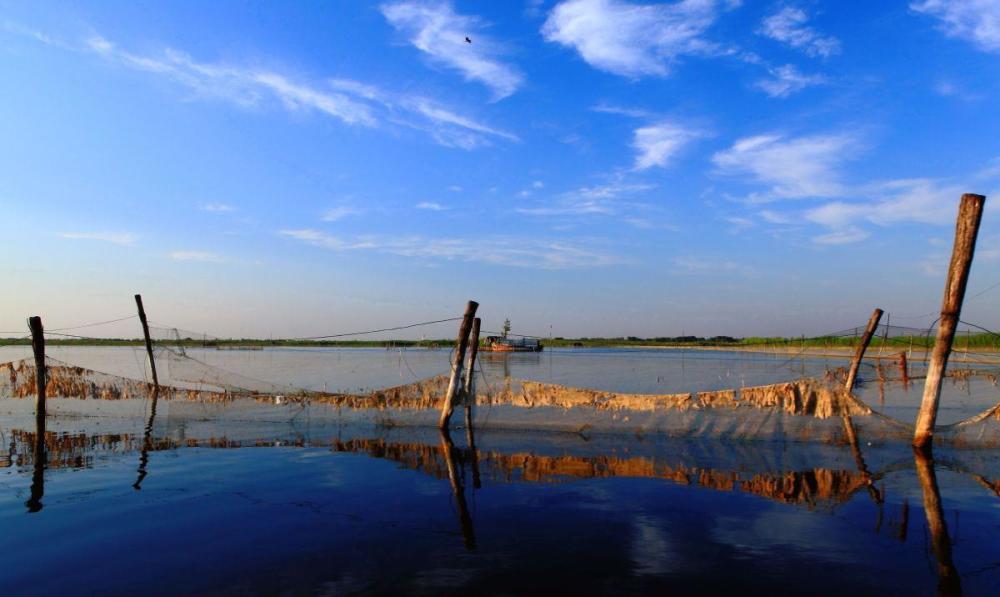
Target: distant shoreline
[[982, 348]]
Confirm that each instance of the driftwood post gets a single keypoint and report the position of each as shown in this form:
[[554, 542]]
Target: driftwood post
[[862, 347], [149, 343], [38, 346], [970, 212], [455, 382], [469, 391]]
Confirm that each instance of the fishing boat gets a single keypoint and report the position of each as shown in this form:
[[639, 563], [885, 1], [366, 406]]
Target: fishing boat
[[504, 343]]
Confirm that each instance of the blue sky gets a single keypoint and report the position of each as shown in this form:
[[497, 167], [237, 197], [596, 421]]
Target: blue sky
[[593, 167]]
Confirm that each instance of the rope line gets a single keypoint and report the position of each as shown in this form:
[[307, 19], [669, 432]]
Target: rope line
[[365, 333]]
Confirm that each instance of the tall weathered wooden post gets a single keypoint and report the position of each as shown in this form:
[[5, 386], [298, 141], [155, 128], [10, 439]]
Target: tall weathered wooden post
[[149, 343], [970, 213], [38, 347], [862, 347], [455, 382], [469, 391]]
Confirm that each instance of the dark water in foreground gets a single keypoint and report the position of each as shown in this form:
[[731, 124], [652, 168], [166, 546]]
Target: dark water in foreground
[[410, 511]]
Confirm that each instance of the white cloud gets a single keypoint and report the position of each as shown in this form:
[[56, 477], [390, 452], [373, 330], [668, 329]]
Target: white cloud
[[199, 256], [920, 201], [537, 184], [455, 188], [796, 167], [773, 217], [842, 236], [449, 128], [324, 240], [117, 238], [507, 251], [437, 30], [657, 144], [596, 200], [703, 265], [218, 208], [338, 213], [431, 206], [632, 40], [786, 80], [789, 26], [352, 102], [978, 20], [243, 86]]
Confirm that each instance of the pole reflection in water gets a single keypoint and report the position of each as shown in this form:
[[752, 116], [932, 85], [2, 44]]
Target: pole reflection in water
[[40, 456], [950, 584], [458, 490], [470, 436], [146, 442]]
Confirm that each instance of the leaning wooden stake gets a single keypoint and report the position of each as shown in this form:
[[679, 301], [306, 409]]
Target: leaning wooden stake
[[38, 346], [862, 347], [149, 343], [970, 213], [469, 392], [455, 382]]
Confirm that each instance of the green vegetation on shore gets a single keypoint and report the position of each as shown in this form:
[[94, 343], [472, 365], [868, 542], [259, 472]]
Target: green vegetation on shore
[[982, 342]]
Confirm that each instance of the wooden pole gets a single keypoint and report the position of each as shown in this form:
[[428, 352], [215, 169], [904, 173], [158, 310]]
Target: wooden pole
[[149, 343], [38, 346], [455, 382], [470, 373], [970, 213], [862, 347]]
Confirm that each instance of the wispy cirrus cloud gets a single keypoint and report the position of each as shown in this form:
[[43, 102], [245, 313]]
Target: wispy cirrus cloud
[[631, 39], [115, 238], [217, 208], [244, 86], [788, 25], [509, 251], [197, 256], [339, 213], [657, 144], [606, 199], [976, 20], [318, 238], [351, 102], [434, 28], [791, 167], [431, 206], [920, 201], [783, 81]]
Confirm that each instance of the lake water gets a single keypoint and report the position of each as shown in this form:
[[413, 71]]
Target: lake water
[[177, 504], [410, 512]]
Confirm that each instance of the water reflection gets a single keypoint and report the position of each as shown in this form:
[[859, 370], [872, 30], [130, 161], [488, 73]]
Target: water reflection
[[146, 441], [39, 456], [950, 583], [456, 477]]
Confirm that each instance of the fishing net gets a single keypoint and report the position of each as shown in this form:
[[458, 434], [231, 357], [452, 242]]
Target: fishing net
[[808, 409]]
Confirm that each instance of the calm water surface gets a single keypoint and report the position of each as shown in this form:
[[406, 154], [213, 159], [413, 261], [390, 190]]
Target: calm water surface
[[415, 512]]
